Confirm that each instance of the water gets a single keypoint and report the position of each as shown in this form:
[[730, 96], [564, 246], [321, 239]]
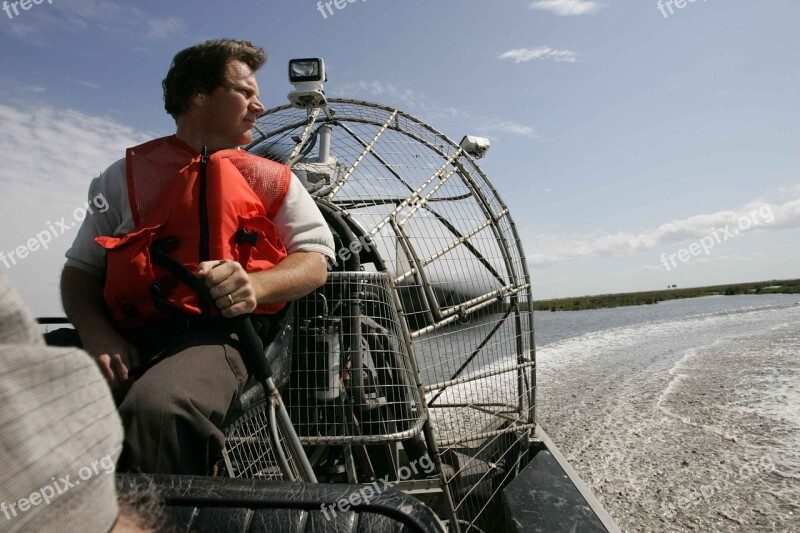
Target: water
[[552, 327], [683, 415]]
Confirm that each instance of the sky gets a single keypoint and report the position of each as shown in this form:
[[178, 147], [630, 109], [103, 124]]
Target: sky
[[637, 144]]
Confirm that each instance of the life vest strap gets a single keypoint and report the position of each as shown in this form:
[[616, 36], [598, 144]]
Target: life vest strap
[[252, 348]]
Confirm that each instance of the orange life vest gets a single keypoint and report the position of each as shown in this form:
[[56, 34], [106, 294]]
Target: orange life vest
[[204, 208]]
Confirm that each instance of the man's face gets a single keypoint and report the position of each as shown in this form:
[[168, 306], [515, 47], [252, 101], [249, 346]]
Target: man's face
[[232, 109]]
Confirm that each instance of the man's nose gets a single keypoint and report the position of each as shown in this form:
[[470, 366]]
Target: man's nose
[[257, 107]]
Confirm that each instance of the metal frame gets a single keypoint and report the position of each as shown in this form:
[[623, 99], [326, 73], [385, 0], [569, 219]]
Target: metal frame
[[381, 190]]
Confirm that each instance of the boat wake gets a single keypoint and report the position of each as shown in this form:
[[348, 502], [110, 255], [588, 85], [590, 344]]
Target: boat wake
[[683, 424]]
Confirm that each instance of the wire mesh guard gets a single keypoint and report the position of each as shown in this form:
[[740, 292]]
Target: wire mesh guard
[[415, 207], [353, 379], [256, 446]]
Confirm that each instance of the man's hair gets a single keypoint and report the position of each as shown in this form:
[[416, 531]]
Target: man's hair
[[203, 67], [142, 505]]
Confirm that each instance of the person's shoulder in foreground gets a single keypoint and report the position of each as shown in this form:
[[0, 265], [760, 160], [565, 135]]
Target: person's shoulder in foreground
[[59, 432]]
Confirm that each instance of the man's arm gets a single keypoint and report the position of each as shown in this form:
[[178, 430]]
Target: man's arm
[[82, 278], [294, 277], [308, 240], [82, 297]]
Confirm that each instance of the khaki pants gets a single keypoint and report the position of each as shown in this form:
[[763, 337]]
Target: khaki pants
[[172, 414]]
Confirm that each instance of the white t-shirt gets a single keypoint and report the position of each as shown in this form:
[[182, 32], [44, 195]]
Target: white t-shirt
[[298, 222]]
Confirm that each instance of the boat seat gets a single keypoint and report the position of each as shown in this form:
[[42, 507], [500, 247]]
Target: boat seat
[[277, 346], [254, 506]]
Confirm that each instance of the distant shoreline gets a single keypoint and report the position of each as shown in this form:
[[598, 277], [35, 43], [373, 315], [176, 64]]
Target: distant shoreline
[[602, 301]]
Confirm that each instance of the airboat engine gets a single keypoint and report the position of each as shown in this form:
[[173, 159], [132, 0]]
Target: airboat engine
[[420, 346]]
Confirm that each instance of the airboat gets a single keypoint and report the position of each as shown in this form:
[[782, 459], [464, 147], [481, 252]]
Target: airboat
[[401, 395]]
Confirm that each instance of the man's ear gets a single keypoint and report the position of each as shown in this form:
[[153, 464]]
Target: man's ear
[[198, 99]]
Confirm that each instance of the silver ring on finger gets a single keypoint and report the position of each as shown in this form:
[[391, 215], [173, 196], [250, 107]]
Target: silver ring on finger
[[230, 299]]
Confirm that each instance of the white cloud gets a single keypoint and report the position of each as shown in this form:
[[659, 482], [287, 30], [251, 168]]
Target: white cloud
[[522, 55], [509, 127], [383, 92], [84, 83], [164, 28], [792, 191], [49, 23], [388, 94], [418, 104], [47, 147], [564, 8], [49, 157], [762, 217]]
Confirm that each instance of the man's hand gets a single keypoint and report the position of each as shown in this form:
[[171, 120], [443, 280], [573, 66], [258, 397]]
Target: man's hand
[[114, 355], [82, 295], [231, 287]]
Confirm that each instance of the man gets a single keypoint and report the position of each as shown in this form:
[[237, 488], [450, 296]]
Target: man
[[177, 193]]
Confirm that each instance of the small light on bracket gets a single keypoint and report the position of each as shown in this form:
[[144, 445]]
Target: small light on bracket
[[308, 76]]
